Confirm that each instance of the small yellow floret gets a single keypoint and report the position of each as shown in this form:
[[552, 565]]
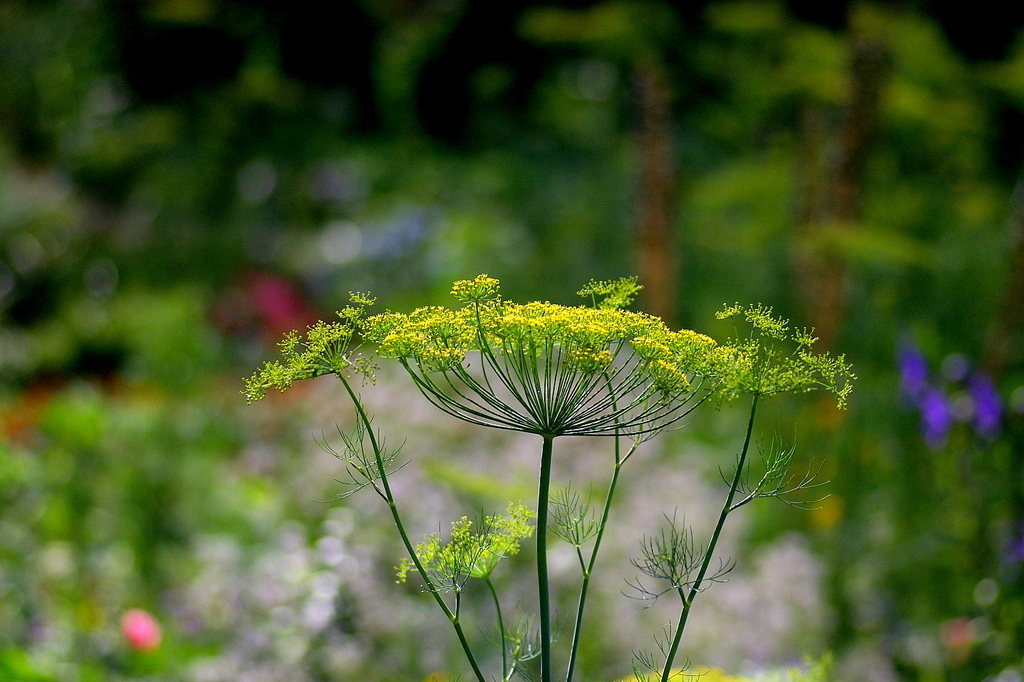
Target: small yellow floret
[[478, 290]]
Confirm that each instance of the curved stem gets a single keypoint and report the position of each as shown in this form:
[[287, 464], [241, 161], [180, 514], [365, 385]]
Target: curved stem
[[579, 624], [431, 588], [542, 560], [501, 629], [726, 508]]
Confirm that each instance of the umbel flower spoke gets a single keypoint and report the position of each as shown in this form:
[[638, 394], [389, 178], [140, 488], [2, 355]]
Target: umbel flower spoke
[[550, 369]]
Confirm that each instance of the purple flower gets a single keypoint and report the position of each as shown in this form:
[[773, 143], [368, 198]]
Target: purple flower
[[988, 408], [936, 417], [913, 372]]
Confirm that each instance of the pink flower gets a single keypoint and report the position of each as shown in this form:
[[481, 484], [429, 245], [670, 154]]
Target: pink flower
[[141, 630]]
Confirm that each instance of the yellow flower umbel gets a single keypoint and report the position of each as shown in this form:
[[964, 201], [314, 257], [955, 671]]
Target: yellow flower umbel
[[550, 369]]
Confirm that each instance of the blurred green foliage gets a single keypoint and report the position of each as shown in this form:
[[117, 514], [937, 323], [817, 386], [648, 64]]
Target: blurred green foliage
[[183, 180]]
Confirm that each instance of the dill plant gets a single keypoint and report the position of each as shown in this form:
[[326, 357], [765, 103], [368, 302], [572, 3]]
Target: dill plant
[[554, 370]]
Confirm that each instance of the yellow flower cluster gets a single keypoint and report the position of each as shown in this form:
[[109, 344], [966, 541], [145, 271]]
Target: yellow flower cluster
[[478, 290], [603, 367], [436, 337], [585, 340]]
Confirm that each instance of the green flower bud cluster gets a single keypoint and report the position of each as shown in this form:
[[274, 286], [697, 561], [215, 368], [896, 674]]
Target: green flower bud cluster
[[469, 553], [762, 366], [614, 293], [326, 349]]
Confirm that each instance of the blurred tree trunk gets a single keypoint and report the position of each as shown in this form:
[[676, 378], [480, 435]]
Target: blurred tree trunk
[[656, 250], [1004, 350], [636, 34], [833, 177], [1004, 338]]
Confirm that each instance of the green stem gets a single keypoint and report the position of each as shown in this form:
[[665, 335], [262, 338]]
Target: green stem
[[501, 629], [726, 508], [431, 588], [542, 560], [579, 623]]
